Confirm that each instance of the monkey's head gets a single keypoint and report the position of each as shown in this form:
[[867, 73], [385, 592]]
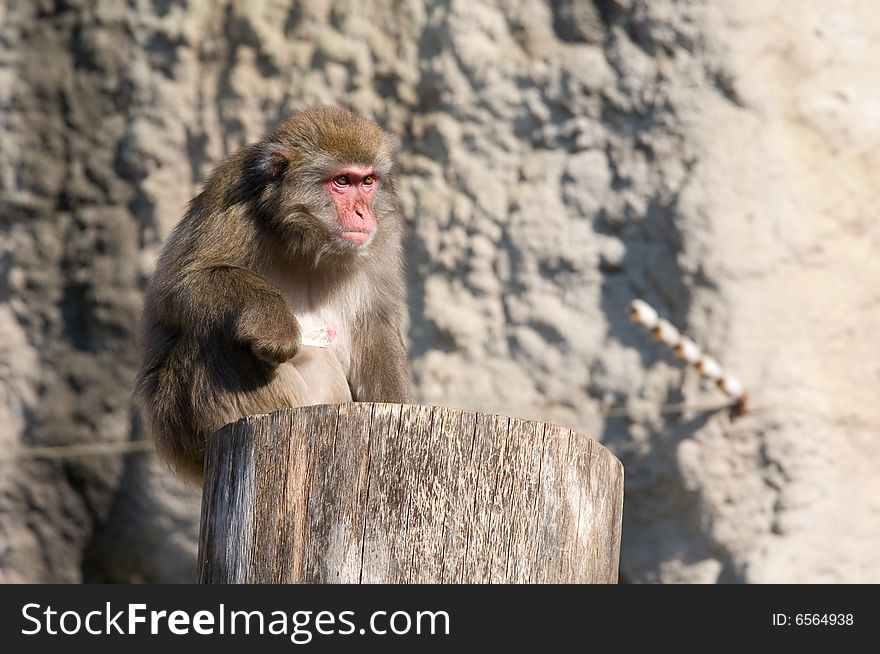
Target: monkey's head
[[325, 182]]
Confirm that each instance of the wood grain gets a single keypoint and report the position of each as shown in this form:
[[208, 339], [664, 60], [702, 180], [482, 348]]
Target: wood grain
[[388, 493]]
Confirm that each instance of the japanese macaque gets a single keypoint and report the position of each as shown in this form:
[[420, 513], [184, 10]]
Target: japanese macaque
[[297, 232]]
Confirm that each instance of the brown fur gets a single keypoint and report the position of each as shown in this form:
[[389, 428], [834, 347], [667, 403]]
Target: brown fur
[[256, 253]]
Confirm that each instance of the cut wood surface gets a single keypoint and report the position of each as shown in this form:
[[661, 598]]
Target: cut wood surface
[[389, 493]]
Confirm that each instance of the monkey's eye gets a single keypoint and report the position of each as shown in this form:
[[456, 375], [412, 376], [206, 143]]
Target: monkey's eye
[[369, 180], [342, 180]]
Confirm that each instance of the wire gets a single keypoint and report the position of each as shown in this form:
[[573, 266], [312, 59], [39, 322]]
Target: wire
[[640, 311], [670, 409], [50, 452], [74, 451]]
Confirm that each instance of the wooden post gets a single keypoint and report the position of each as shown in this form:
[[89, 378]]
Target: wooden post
[[389, 493]]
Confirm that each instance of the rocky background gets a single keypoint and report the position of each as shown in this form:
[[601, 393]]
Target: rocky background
[[720, 160]]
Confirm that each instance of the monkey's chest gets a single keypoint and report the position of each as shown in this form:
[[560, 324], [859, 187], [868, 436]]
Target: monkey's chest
[[317, 305], [316, 328], [312, 321]]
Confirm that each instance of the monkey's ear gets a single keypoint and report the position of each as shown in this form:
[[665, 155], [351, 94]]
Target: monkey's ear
[[274, 159]]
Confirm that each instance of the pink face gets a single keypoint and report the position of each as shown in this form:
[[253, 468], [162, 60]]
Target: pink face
[[352, 190]]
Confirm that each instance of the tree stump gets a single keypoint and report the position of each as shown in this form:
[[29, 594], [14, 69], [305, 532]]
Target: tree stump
[[389, 493]]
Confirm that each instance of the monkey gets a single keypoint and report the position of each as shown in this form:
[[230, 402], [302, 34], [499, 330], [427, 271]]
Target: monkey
[[299, 230]]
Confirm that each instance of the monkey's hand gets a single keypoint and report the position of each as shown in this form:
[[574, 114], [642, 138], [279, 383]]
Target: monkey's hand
[[270, 329]]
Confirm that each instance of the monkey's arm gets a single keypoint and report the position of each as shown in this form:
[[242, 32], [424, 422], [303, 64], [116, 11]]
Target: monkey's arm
[[234, 303], [379, 368]]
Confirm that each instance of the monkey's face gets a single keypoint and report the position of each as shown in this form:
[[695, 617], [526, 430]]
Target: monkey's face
[[352, 190], [326, 182], [332, 208]]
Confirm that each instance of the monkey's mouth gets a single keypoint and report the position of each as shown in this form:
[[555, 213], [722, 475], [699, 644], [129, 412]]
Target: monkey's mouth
[[356, 237]]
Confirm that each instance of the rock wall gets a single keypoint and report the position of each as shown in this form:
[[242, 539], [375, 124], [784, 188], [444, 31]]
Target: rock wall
[[561, 158]]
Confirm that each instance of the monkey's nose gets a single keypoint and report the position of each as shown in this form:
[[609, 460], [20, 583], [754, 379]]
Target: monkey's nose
[[359, 212]]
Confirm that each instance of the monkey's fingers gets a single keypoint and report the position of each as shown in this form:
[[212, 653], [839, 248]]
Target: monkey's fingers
[[275, 351]]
